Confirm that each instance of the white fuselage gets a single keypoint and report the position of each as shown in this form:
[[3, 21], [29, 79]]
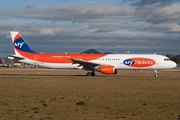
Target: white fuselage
[[117, 60]]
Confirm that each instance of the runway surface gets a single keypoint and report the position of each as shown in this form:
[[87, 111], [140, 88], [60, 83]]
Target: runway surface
[[14, 75], [110, 76]]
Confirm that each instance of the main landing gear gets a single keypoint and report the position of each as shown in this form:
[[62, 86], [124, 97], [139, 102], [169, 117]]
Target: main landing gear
[[91, 74], [156, 74]]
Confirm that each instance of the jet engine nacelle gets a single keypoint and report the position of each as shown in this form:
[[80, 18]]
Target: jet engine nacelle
[[108, 69]]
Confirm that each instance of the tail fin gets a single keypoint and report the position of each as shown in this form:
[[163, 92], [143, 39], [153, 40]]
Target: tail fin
[[19, 44]]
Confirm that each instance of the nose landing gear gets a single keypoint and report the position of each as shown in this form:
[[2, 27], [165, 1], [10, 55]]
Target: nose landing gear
[[156, 74]]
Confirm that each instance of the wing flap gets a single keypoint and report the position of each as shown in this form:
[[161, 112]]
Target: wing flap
[[87, 65], [76, 61]]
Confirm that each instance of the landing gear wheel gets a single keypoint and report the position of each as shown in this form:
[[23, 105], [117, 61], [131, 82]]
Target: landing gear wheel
[[90, 74], [156, 75], [93, 74]]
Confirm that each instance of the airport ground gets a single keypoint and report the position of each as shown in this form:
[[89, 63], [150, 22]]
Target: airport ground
[[137, 95]]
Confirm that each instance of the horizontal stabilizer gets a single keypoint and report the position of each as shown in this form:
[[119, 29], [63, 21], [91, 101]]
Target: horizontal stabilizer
[[14, 57]]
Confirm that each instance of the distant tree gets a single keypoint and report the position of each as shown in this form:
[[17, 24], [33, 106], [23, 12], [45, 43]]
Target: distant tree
[[173, 58]]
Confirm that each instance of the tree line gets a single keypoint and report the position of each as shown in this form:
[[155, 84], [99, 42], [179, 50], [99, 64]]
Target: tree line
[[174, 58]]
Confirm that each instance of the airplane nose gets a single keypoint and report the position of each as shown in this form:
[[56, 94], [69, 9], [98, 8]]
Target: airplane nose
[[174, 64]]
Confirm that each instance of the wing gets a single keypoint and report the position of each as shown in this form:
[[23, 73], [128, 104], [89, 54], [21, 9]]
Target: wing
[[87, 65], [14, 57]]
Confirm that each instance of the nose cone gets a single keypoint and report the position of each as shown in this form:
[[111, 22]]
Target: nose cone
[[173, 64]]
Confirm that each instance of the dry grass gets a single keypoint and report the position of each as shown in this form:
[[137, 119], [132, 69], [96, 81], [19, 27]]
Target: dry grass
[[79, 72], [54, 98]]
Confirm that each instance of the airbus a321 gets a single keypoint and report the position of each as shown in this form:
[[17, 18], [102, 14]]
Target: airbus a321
[[104, 63]]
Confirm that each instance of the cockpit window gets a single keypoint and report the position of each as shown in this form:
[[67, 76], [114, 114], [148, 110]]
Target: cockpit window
[[166, 59]]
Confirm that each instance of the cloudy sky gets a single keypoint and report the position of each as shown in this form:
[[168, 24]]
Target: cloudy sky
[[73, 26]]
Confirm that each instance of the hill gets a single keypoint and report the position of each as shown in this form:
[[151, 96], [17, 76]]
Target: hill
[[90, 51]]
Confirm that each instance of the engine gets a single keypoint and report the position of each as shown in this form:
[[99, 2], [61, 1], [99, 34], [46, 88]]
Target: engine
[[108, 69]]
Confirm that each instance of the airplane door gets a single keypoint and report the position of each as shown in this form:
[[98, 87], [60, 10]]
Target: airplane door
[[35, 57], [36, 60], [80, 57], [121, 60], [156, 58]]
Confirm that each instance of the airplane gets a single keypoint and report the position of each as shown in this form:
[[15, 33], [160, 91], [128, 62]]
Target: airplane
[[104, 63]]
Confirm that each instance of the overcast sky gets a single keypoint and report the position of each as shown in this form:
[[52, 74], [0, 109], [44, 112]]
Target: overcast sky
[[73, 26]]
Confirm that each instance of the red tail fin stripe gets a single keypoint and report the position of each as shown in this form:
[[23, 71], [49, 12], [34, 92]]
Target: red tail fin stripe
[[17, 36]]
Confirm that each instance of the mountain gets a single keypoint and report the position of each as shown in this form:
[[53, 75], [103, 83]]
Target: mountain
[[178, 55], [90, 51], [108, 53]]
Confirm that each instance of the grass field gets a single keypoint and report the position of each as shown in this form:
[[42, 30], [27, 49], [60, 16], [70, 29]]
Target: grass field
[[100, 98], [76, 72]]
